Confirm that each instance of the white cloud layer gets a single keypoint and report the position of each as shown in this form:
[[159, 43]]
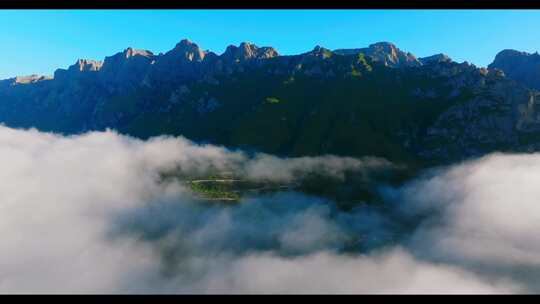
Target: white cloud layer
[[489, 216], [88, 214]]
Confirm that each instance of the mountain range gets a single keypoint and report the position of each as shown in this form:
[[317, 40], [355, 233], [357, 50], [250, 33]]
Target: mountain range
[[373, 101]]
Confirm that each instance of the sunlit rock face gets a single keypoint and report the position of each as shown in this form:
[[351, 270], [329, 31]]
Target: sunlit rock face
[[385, 52]]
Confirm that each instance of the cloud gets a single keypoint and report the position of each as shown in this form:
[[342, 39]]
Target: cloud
[[92, 214], [62, 197], [483, 215], [272, 168], [388, 272]]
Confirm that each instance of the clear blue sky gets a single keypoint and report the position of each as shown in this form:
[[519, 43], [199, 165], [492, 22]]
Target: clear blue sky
[[42, 40]]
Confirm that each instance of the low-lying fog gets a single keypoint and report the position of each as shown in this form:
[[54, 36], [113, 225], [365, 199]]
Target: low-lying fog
[[90, 214]]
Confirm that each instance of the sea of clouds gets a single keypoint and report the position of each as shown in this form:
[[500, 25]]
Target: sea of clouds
[[92, 214]]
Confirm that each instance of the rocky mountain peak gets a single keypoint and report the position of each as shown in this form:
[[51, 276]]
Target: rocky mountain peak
[[127, 67], [30, 79], [510, 57], [384, 46], [130, 52], [319, 51], [86, 65], [390, 55], [184, 43], [23, 80], [248, 46], [246, 51], [437, 58], [188, 50], [510, 53], [78, 68], [385, 52], [520, 66]]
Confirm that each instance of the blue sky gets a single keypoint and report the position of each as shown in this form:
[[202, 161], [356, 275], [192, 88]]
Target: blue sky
[[40, 41]]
